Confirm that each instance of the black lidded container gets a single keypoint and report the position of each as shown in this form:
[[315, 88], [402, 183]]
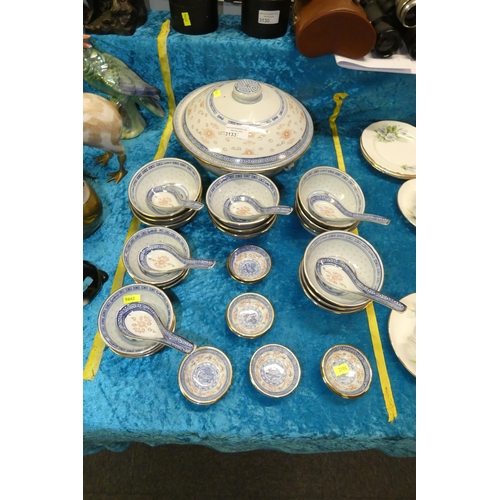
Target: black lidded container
[[265, 18], [194, 17]]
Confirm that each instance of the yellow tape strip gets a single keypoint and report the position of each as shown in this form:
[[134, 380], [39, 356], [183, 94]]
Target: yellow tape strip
[[370, 310], [95, 355], [167, 81]]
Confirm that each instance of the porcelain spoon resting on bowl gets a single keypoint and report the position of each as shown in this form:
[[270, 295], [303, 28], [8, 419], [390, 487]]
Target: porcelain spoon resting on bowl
[[334, 275], [167, 198], [326, 207], [246, 208], [140, 321], [162, 259]]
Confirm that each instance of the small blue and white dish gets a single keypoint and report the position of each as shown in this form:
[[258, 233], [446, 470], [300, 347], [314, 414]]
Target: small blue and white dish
[[205, 375], [274, 370], [346, 371], [250, 315], [248, 264]]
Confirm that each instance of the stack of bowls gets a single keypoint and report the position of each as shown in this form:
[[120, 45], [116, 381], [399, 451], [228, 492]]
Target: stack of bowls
[[256, 186], [174, 173], [354, 251], [338, 185], [111, 334], [152, 236]]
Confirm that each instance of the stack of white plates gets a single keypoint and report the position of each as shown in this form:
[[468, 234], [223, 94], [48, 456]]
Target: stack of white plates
[[111, 334], [353, 250], [174, 173], [335, 183], [152, 236], [391, 147]]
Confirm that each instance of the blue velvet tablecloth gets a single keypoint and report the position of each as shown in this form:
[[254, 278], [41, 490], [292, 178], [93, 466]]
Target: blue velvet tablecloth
[[138, 400]]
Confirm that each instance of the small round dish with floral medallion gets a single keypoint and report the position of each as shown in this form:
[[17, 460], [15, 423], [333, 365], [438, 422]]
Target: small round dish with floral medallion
[[250, 315], [274, 370], [205, 375], [346, 371], [248, 264]]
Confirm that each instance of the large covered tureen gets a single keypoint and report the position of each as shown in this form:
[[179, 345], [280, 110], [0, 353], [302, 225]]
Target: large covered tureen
[[243, 126]]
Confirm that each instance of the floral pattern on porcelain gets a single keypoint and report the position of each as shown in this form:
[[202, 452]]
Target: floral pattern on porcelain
[[391, 133]]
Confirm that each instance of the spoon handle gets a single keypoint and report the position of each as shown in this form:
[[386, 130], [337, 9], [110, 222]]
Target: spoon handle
[[381, 298], [195, 205], [169, 338], [177, 342], [278, 209], [200, 263], [378, 219]]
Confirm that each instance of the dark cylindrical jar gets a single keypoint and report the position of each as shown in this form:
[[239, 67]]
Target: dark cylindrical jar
[[265, 18], [194, 17]]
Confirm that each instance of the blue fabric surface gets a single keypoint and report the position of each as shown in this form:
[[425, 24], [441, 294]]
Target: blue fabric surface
[[138, 400]]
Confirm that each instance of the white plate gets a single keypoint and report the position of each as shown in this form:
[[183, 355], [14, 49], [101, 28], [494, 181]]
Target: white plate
[[390, 146], [407, 200], [402, 331]]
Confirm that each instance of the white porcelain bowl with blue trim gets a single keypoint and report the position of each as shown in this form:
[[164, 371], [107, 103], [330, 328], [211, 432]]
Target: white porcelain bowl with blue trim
[[152, 236], [356, 252], [338, 185], [174, 172], [243, 126], [108, 328], [257, 186]]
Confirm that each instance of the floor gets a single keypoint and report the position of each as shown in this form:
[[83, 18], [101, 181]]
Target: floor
[[196, 472]]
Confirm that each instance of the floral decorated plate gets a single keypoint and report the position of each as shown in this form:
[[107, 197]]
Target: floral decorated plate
[[205, 375], [390, 147], [403, 333], [407, 200], [248, 264], [274, 370], [250, 315], [346, 371]]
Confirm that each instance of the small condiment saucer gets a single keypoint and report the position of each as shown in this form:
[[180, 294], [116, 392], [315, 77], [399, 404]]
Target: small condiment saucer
[[248, 264], [403, 333], [250, 315], [205, 375], [274, 370], [346, 371], [390, 146], [407, 200]]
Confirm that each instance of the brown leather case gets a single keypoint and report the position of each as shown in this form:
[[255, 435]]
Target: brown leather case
[[332, 27]]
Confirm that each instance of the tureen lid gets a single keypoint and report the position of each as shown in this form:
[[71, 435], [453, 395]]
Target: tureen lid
[[243, 124]]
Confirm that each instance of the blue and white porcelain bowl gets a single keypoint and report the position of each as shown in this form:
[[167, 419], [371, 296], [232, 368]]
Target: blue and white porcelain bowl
[[274, 370], [111, 334], [250, 315], [205, 375], [356, 252], [256, 186], [243, 126], [337, 184], [248, 264], [171, 171], [152, 236]]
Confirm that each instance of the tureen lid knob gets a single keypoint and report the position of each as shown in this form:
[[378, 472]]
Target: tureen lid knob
[[247, 91]]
